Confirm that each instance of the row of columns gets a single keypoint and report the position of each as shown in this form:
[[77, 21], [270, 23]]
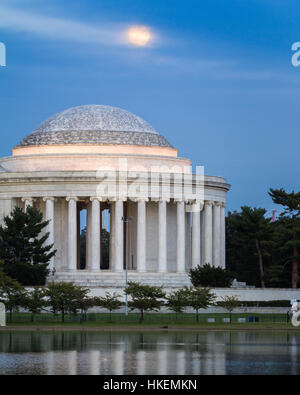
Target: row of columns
[[213, 238]]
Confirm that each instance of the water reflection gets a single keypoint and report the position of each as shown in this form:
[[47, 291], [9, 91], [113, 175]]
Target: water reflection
[[158, 353]]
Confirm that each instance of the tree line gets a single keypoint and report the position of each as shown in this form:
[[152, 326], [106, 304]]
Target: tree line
[[68, 298], [265, 252]]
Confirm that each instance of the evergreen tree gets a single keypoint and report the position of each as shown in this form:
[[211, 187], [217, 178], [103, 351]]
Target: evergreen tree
[[289, 232], [23, 250], [249, 240], [210, 276], [278, 267]]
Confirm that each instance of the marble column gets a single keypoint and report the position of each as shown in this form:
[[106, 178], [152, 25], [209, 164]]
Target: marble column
[[216, 234], [180, 236], [141, 236], [119, 237], [208, 233], [223, 233], [28, 202], [95, 235], [72, 233], [202, 236], [49, 216], [196, 234], [6, 208], [162, 236], [88, 255], [112, 236]]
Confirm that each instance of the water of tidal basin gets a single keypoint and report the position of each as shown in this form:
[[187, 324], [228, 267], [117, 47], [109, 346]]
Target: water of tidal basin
[[156, 353]]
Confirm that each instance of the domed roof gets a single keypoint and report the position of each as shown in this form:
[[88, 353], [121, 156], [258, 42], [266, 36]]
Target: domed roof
[[95, 117], [95, 124]]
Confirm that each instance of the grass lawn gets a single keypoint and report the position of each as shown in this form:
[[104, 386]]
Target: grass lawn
[[155, 321]]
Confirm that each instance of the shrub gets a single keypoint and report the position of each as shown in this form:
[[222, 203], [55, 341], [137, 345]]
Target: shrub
[[210, 276]]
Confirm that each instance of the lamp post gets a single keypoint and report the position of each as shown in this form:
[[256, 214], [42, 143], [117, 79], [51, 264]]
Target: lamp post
[[126, 220]]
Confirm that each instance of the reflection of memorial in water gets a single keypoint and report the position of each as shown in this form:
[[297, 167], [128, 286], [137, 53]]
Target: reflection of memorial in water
[[94, 357], [156, 353], [263, 352]]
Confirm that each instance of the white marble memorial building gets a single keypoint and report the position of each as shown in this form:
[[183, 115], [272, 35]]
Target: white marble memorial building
[[96, 159]]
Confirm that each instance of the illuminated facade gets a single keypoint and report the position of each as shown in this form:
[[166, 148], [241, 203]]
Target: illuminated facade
[[100, 158]]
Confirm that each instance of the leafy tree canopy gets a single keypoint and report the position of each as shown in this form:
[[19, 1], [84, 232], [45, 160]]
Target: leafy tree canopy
[[229, 303], [177, 301], [198, 298], [110, 302], [35, 301], [144, 297], [65, 297], [12, 293]]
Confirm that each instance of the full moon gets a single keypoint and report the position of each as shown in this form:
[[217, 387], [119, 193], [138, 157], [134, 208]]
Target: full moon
[[139, 35]]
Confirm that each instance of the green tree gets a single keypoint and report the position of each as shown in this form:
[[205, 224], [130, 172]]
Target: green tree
[[277, 275], [12, 293], [84, 304], [210, 276], [35, 301], [65, 297], [198, 298], [23, 250], [176, 301], [229, 303], [144, 297], [110, 302], [290, 233], [249, 239], [240, 257]]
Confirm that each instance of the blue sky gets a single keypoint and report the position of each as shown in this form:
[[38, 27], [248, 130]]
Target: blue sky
[[217, 81]]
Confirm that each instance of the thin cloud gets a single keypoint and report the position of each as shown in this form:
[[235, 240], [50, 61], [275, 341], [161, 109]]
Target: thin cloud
[[213, 69], [15, 19], [60, 29]]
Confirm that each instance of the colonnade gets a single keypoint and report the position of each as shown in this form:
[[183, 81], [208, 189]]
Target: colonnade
[[207, 233]]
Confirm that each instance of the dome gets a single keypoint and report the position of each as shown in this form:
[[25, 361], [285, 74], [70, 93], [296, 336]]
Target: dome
[[95, 124]]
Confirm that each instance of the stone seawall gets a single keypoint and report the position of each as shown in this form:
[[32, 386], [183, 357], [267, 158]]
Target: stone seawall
[[115, 282]]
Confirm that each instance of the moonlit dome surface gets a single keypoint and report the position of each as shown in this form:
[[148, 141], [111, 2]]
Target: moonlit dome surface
[[95, 124], [95, 117]]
